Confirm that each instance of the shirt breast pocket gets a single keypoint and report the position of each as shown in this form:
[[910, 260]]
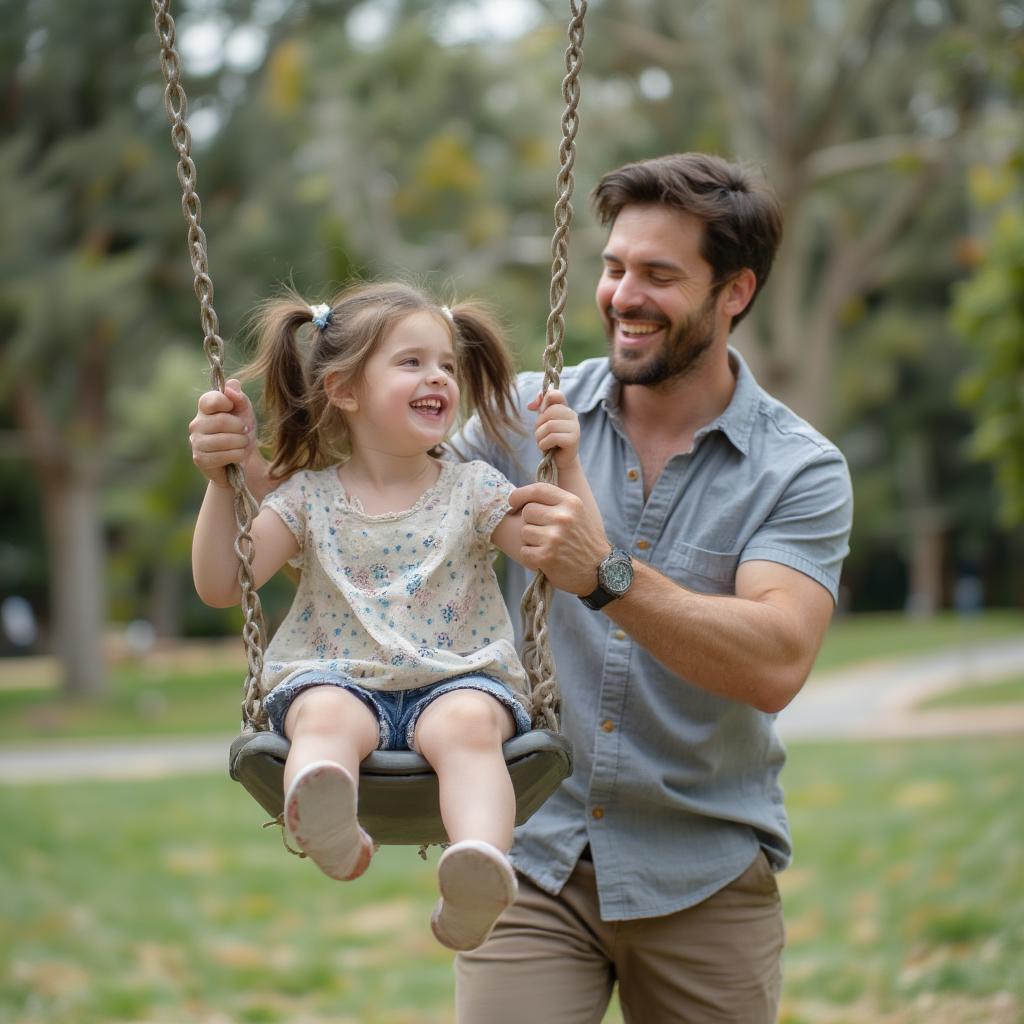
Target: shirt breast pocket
[[708, 572]]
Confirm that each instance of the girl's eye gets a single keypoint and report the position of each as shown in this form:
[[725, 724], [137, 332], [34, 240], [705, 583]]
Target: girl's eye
[[449, 368], [410, 361]]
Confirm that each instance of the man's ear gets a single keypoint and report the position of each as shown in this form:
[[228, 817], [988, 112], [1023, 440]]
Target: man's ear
[[738, 292], [340, 392]]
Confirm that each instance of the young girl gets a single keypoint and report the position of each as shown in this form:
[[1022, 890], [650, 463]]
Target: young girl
[[398, 636]]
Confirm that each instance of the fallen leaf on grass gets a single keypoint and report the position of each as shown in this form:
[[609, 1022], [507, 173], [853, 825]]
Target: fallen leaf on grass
[[51, 978], [923, 793]]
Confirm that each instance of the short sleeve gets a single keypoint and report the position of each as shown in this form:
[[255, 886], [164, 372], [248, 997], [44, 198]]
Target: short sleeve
[[491, 490], [291, 502], [809, 527]]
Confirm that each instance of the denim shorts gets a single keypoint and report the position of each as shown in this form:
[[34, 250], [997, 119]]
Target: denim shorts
[[397, 711]]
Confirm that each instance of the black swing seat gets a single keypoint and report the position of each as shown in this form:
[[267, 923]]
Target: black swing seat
[[398, 795]]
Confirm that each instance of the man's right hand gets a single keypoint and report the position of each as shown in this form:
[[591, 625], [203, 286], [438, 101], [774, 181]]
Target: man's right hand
[[223, 432]]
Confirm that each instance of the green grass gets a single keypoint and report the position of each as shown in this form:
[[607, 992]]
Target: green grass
[[905, 901], [193, 697], [854, 638], [163, 901], [140, 703], [1007, 691]]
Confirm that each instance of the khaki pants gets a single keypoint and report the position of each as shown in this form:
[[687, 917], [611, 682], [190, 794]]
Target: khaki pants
[[552, 960]]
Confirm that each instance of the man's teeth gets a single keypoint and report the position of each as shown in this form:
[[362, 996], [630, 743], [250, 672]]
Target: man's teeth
[[637, 330]]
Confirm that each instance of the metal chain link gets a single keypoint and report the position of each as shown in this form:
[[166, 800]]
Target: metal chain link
[[537, 659], [176, 106]]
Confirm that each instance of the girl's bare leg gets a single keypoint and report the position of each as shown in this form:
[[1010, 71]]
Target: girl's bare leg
[[327, 723], [461, 734], [331, 731]]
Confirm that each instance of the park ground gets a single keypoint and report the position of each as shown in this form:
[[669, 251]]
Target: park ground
[[145, 891]]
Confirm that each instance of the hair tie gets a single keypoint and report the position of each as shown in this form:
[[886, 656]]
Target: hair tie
[[448, 313], [321, 315]]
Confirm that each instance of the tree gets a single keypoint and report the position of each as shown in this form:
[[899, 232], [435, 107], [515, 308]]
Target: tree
[[989, 311], [94, 274]]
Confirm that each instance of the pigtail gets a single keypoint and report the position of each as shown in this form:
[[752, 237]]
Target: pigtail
[[486, 372], [290, 418]]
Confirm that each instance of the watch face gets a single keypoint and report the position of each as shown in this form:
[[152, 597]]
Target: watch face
[[616, 576]]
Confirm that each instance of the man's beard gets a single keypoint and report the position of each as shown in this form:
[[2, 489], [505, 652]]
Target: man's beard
[[680, 352]]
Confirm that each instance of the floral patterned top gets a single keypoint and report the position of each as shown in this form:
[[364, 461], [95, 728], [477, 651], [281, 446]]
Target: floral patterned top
[[397, 600]]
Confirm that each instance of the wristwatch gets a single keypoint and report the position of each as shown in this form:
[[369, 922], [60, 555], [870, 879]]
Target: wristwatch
[[614, 576]]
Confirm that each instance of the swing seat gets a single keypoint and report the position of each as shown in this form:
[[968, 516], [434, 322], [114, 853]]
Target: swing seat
[[398, 794]]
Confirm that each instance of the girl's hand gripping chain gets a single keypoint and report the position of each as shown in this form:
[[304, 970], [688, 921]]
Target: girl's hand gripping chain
[[557, 427], [222, 432]]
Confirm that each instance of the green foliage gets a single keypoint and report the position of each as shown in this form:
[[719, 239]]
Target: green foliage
[[328, 152], [989, 312]]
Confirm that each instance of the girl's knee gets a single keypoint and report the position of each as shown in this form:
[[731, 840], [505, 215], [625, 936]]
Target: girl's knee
[[323, 709], [464, 718]]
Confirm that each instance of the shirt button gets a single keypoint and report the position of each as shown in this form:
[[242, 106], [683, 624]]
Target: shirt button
[[643, 545], [598, 813], [608, 725], [632, 474], [619, 634]]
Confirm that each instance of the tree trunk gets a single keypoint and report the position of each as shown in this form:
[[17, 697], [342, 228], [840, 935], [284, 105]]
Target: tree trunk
[[77, 598], [69, 483], [926, 559]]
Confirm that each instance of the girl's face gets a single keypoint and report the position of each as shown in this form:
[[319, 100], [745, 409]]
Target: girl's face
[[408, 398]]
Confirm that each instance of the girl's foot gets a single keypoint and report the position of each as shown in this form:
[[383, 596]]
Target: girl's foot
[[320, 818], [477, 883]]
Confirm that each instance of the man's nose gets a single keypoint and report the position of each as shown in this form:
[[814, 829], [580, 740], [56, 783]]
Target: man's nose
[[628, 293]]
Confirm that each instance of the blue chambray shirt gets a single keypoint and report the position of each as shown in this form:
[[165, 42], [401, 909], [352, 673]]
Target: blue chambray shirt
[[673, 787]]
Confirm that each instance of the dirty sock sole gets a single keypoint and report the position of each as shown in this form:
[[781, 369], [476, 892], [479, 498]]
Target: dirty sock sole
[[477, 883], [320, 814]]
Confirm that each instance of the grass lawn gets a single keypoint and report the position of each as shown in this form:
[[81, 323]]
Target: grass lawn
[[1008, 691], [190, 695], [140, 703], [854, 638], [162, 901]]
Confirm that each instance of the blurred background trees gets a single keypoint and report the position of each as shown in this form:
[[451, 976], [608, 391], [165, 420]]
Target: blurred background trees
[[419, 137]]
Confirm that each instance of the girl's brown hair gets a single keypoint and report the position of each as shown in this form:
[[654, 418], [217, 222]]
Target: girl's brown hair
[[303, 428]]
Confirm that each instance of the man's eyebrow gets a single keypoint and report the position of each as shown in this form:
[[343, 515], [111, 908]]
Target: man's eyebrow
[[610, 257]]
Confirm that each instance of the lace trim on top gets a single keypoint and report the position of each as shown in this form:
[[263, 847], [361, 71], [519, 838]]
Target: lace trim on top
[[352, 504]]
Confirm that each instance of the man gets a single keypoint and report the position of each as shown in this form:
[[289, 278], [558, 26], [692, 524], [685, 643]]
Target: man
[[687, 616], [689, 612]]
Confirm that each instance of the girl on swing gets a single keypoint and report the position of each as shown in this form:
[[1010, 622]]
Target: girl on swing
[[398, 636]]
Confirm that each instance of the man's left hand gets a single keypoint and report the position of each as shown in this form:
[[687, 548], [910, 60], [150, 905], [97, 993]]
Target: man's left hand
[[558, 538]]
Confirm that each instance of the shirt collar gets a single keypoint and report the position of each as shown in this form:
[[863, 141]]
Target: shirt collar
[[736, 421]]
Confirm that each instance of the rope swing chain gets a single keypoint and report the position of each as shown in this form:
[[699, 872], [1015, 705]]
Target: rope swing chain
[[537, 659], [536, 654], [176, 106]]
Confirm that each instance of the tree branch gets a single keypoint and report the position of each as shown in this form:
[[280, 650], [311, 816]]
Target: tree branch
[[864, 154], [847, 73]]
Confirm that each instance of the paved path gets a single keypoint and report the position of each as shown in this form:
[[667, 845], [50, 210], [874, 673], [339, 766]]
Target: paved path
[[872, 701], [878, 699]]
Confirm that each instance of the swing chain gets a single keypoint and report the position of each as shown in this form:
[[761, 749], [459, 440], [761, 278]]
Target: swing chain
[[176, 106], [537, 658]]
